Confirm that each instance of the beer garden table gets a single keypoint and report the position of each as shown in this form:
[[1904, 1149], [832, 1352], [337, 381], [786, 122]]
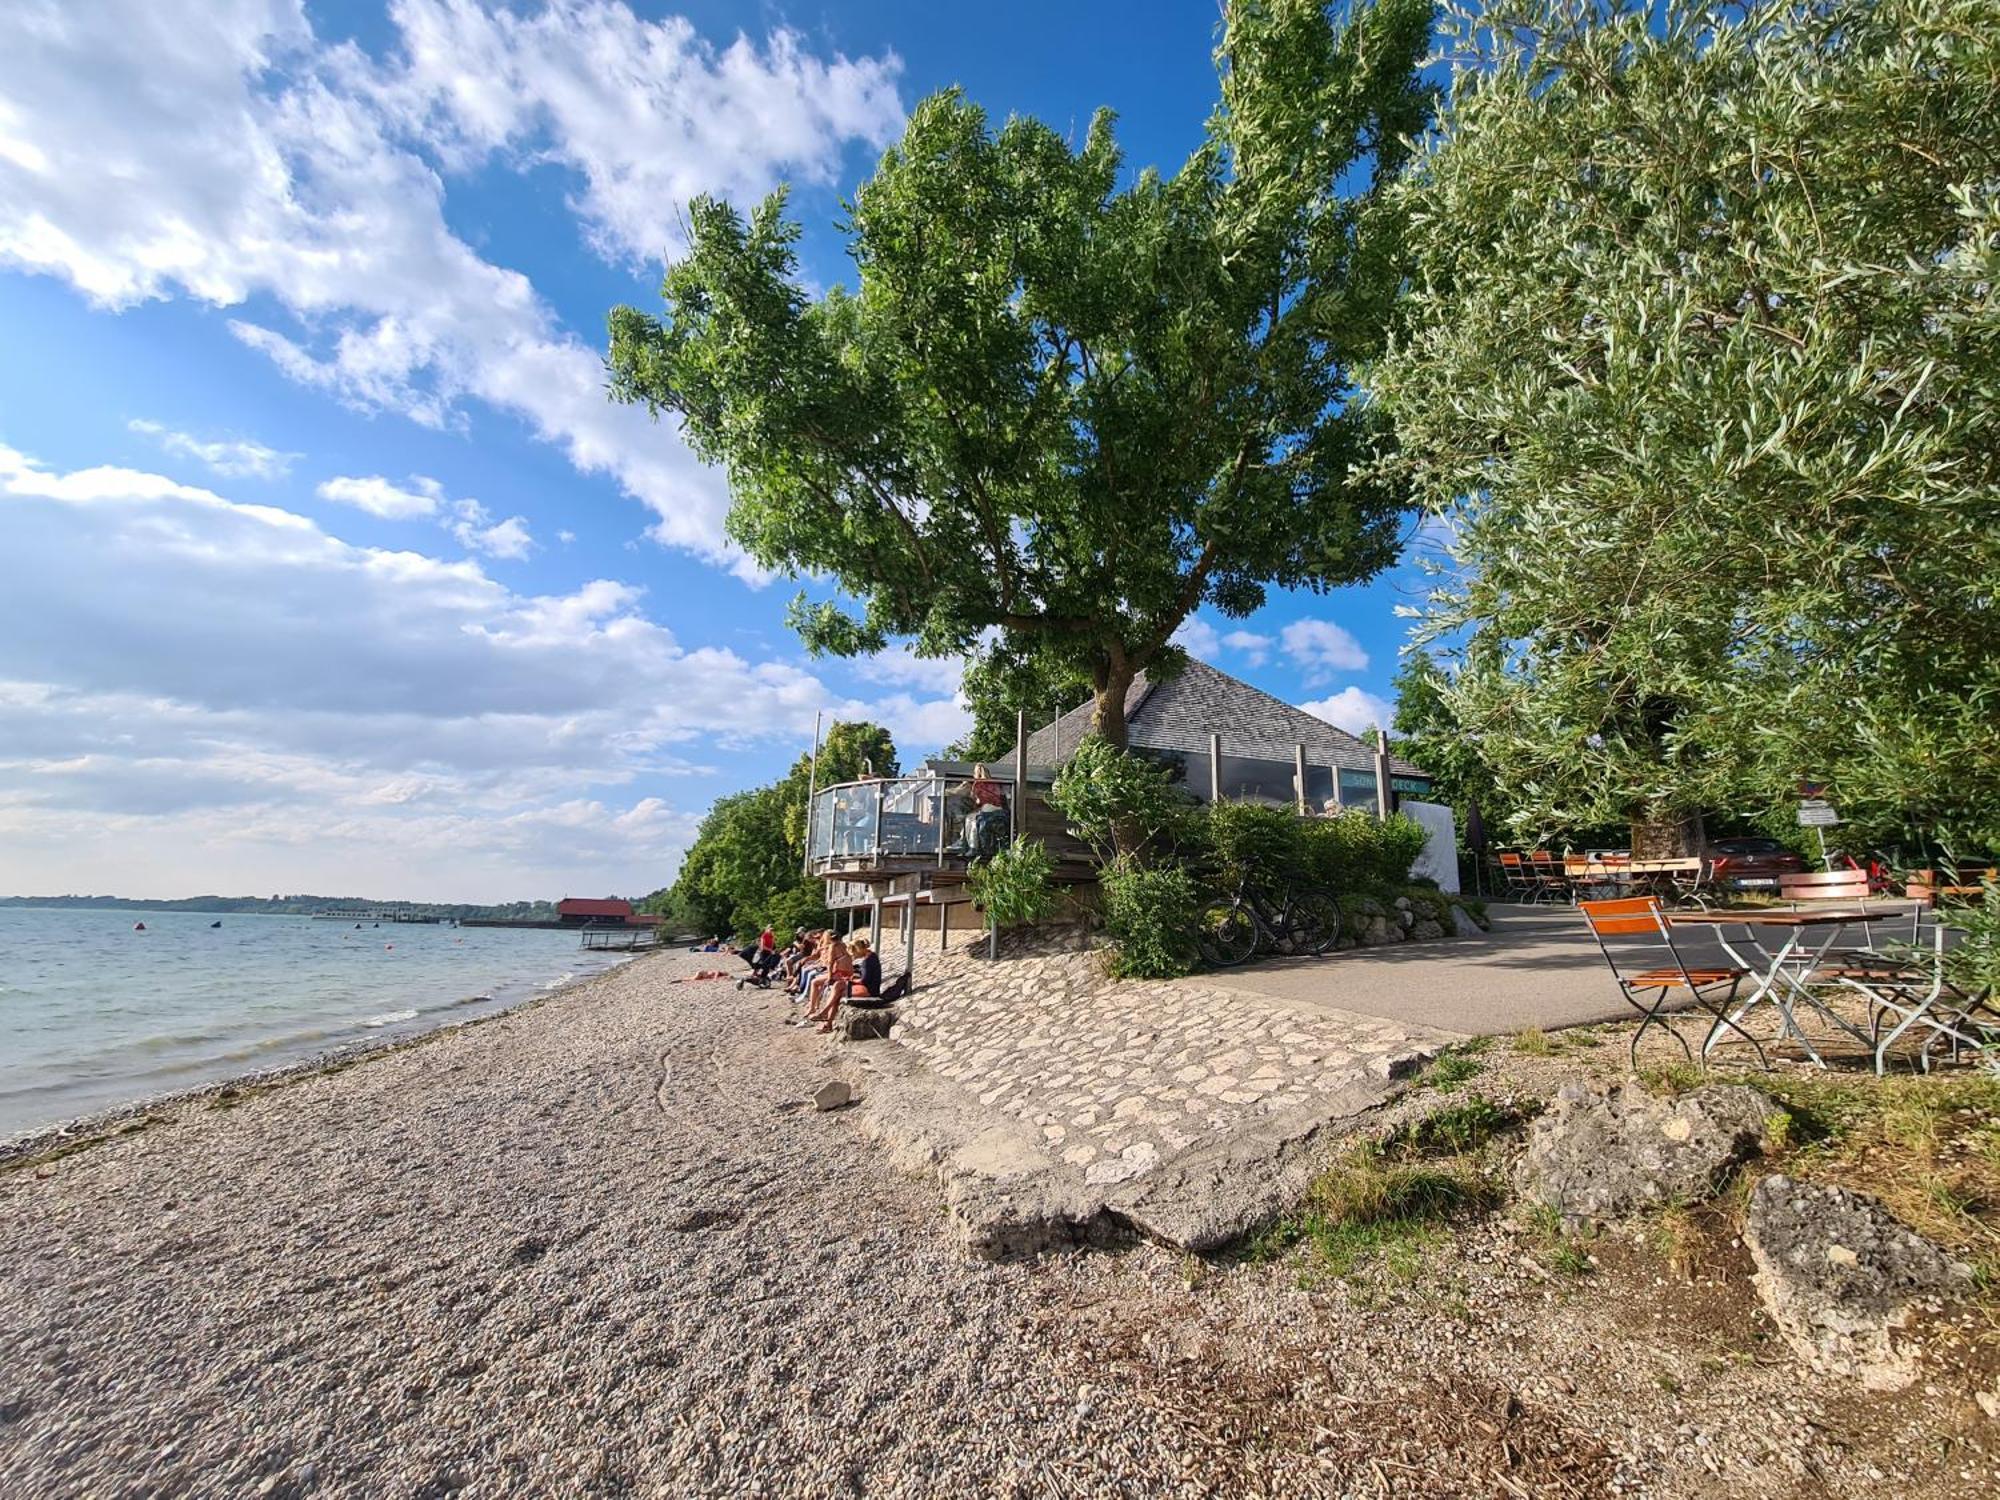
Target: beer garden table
[[1781, 977]]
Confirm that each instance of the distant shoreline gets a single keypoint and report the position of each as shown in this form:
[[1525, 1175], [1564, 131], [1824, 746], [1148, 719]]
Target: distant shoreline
[[40, 1143]]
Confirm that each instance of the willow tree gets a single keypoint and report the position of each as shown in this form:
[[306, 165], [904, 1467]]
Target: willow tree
[[1701, 362], [1063, 408]]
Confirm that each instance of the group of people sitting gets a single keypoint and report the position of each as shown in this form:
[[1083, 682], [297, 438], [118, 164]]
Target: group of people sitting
[[818, 968]]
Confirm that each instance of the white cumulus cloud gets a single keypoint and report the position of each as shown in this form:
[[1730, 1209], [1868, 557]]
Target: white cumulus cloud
[[226, 153], [1321, 648], [477, 531], [233, 458], [1352, 709], [196, 692], [1255, 648], [377, 496]]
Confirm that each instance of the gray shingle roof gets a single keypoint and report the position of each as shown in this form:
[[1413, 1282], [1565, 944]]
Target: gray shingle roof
[[1181, 713]]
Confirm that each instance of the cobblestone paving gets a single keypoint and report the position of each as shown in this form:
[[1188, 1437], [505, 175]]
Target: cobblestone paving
[[1121, 1076]]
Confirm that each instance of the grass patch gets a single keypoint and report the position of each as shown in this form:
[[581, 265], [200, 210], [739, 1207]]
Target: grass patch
[[1455, 1130], [1532, 1041], [1929, 1148], [1368, 1214], [1561, 1250], [1671, 1080], [1677, 1240], [1452, 1068]]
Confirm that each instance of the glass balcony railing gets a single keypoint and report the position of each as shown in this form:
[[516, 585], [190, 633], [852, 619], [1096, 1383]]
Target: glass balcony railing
[[909, 818]]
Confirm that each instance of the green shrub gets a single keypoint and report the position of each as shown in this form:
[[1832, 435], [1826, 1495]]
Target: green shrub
[[1255, 845], [1356, 851], [1013, 886], [1150, 913], [1973, 962], [1119, 802]]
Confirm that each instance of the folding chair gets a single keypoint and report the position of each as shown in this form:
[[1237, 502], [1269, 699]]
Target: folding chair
[[1549, 878], [1520, 879], [1845, 888], [1639, 917]]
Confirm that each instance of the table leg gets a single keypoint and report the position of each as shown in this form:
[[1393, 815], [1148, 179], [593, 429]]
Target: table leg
[[1767, 989]]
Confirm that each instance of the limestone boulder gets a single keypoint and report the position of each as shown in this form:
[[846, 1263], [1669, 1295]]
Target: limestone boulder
[[1604, 1155], [1842, 1277], [1463, 922], [831, 1095]]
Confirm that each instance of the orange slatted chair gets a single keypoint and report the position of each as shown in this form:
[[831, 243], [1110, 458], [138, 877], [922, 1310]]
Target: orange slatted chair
[[1520, 879], [1637, 922]]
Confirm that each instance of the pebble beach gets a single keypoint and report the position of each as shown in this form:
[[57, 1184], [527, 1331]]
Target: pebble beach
[[602, 1245], [593, 1245]]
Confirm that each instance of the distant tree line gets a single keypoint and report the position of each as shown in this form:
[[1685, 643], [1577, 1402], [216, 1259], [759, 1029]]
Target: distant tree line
[[518, 911]]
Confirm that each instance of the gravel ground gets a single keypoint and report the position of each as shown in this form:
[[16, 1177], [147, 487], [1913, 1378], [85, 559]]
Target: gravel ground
[[598, 1246]]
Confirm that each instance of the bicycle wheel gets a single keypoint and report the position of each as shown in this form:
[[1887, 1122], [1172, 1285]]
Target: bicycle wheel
[[1315, 922], [1225, 932]]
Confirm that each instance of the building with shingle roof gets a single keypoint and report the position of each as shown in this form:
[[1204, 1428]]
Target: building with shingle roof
[[1174, 718]]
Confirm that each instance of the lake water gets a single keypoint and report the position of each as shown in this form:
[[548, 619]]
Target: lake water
[[93, 1014]]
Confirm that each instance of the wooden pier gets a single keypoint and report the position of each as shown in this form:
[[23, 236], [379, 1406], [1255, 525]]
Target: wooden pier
[[621, 939]]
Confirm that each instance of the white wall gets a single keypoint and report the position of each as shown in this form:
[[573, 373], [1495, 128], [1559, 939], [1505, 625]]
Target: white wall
[[1439, 860]]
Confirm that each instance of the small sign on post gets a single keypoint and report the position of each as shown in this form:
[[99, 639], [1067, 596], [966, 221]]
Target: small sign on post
[[1817, 812]]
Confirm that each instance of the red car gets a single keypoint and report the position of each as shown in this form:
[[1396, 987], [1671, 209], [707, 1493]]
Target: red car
[[1751, 864]]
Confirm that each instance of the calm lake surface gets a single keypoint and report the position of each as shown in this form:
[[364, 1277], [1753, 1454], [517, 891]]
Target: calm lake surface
[[93, 1014]]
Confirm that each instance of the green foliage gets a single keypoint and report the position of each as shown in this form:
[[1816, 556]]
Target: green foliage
[[1270, 847], [1263, 847], [1067, 404], [1453, 1068], [1359, 852], [1118, 801], [1149, 912], [744, 867], [1454, 1130], [1972, 961], [1013, 886], [1700, 372], [798, 908]]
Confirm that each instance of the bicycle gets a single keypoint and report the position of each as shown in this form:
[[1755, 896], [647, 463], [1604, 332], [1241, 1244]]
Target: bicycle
[[1229, 929]]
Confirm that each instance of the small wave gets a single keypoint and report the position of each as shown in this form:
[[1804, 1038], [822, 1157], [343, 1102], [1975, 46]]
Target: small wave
[[389, 1018], [474, 1000], [560, 980]]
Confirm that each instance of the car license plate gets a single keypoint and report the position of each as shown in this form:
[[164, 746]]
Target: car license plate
[[1757, 880]]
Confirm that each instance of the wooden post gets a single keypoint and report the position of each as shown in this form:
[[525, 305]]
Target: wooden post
[[1299, 773], [1020, 772], [875, 925], [1214, 768], [944, 925], [1381, 774], [812, 787], [910, 938]]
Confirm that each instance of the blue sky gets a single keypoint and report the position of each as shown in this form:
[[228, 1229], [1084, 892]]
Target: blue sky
[[326, 566]]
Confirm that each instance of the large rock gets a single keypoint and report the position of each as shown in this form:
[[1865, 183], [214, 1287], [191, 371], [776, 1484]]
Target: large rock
[[831, 1095], [1605, 1155], [1463, 923], [1841, 1275], [866, 1023]]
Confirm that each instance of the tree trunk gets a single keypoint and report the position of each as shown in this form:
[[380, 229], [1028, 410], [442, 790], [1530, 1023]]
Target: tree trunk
[[1658, 833], [1112, 683]]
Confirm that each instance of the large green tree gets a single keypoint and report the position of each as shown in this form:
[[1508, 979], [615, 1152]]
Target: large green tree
[[1065, 407], [1701, 367]]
